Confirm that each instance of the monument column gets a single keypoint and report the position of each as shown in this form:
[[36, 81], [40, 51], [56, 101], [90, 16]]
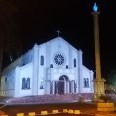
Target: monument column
[[98, 82]]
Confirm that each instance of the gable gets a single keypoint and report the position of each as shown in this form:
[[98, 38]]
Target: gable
[[60, 43]]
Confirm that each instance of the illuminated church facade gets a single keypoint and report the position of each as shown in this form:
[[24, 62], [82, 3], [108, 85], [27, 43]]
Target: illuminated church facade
[[54, 67]]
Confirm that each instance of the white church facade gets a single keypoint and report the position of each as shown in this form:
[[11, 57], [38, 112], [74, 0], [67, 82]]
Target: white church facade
[[54, 67]]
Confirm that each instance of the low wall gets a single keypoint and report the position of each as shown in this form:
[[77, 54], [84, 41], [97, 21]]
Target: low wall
[[51, 98]]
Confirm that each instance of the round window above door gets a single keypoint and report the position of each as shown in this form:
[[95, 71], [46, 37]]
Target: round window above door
[[59, 59]]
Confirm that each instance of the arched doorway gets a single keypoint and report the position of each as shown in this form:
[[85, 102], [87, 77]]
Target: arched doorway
[[60, 85]]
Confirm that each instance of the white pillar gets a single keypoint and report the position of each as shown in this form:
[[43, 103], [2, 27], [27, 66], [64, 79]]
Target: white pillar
[[48, 85], [72, 86], [56, 87], [80, 79], [67, 86], [91, 81], [17, 82], [77, 88], [35, 70], [53, 87]]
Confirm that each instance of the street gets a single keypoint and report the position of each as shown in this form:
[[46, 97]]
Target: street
[[85, 108]]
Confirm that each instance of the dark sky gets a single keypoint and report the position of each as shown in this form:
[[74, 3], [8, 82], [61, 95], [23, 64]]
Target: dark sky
[[36, 21]]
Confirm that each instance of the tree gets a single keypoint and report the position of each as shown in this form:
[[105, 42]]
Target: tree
[[8, 31], [111, 77]]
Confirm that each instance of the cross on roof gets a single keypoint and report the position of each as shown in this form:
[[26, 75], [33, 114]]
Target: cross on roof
[[58, 32]]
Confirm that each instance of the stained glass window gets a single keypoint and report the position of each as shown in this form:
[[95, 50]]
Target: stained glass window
[[74, 62], [59, 59], [42, 60], [86, 82], [25, 83]]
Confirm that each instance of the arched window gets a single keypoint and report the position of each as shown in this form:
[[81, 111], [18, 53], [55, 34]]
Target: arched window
[[42, 60], [6, 80], [66, 66], [86, 82], [28, 83], [51, 65], [74, 62], [41, 84], [23, 83]]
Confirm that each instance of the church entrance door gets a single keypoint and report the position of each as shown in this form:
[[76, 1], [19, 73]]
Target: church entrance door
[[60, 86]]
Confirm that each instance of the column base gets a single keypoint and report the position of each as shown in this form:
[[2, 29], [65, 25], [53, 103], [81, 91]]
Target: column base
[[99, 87]]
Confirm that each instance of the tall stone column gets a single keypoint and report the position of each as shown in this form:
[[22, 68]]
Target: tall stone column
[[98, 82]]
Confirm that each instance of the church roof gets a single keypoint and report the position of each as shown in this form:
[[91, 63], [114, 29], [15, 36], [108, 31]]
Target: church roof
[[59, 38]]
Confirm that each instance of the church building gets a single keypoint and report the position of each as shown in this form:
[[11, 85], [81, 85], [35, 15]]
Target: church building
[[54, 67]]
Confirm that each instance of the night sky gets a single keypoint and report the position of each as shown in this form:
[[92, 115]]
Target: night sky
[[25, 22]]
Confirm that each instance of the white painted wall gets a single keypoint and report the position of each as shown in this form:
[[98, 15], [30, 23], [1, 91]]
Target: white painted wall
[[23, 72], [7, 84], [56, 73], [37, 73], [42, 68], [87, 74]]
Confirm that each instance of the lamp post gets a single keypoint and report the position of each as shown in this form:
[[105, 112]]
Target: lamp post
[[98, 81]]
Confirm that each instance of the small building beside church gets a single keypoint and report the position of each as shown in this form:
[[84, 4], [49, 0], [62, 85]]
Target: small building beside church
[[54, 67]]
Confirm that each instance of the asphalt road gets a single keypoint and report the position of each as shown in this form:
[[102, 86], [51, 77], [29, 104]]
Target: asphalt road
[[85, 108]]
